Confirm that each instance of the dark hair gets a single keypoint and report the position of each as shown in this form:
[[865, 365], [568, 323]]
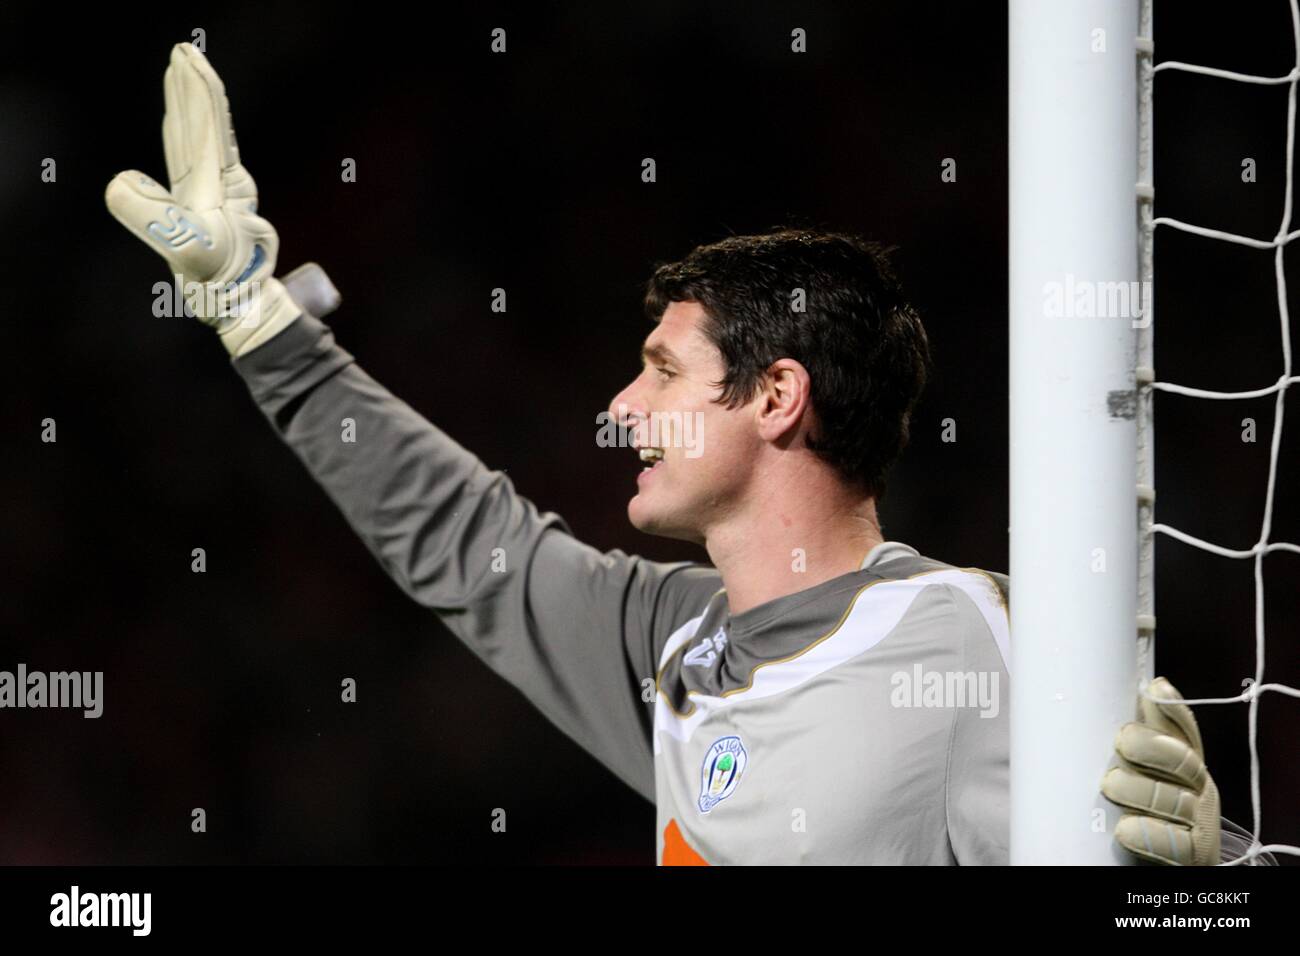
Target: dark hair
[[863, 345]]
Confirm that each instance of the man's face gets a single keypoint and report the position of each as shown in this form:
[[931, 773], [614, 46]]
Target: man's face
[[700, 452]]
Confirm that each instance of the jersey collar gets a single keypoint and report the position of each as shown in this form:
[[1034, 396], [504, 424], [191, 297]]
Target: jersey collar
[[887, 551]]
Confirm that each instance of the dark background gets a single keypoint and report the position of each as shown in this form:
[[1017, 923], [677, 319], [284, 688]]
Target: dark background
[[522, 171]]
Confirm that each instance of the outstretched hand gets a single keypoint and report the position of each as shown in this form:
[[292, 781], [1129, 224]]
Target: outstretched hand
[[205, 224]]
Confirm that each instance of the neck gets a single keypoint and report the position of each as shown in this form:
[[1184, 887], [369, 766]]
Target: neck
[[800, 534]]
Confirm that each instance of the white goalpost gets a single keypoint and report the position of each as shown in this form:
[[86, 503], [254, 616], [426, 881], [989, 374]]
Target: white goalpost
[[1083, 384], [1072, 166]]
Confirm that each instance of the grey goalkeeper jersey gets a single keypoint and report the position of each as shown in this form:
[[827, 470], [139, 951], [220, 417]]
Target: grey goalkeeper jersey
[[862, 720]]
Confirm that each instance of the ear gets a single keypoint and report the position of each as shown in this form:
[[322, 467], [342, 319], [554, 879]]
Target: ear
[[783, 399]]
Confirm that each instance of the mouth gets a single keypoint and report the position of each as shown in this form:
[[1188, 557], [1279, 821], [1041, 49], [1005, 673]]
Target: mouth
[[651, 458]]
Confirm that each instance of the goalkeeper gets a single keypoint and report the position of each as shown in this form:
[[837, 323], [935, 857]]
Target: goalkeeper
[[816, 694]]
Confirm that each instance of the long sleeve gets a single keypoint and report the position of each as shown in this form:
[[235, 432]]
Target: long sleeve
[[576, 630]]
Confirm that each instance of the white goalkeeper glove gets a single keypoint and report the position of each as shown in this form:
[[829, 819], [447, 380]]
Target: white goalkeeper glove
[[206, 225], [1162, 775]]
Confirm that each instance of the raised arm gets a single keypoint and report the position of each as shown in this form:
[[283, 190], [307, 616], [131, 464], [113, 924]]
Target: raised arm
[[577, 630]]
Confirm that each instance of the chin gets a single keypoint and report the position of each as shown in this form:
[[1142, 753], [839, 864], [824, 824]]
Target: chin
[[646, 519], [642, 517]]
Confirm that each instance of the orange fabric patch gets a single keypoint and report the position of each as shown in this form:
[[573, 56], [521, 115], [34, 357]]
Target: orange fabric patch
[[677, 852]]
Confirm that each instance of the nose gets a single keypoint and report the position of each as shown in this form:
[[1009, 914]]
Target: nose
[[625, 409]]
